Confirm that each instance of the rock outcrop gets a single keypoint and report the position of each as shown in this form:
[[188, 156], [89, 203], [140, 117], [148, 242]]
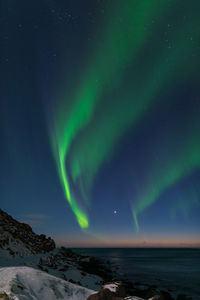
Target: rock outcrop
[[19, 246], [110, 291], [18, 238], [116, 291]]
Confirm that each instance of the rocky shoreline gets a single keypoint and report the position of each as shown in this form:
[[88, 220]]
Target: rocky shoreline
[[20, 246], [103, 269]]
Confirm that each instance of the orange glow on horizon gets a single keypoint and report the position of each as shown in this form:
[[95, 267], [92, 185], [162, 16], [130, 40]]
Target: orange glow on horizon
[[193, 242]]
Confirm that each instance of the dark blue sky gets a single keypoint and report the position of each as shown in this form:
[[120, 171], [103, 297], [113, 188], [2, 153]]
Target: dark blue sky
[[46, 47]]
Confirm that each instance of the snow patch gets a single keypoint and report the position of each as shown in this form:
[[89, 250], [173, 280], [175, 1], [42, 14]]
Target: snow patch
[[30, 284], [111, 286]]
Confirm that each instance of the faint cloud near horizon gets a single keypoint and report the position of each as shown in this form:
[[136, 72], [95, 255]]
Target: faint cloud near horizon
[[34, 220]]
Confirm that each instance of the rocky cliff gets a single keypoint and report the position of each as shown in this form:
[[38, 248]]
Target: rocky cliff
[[17, 238]]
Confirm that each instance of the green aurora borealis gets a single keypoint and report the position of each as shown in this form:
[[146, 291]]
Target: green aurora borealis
[[89, 127]]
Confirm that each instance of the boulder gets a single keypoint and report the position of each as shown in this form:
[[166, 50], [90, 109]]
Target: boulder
[[110, 291], [157, 295], [4, 296]]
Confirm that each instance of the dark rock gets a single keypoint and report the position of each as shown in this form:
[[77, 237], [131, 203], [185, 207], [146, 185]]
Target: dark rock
[[72, 281], [183, 297], [107, 294], [4, 296], [96, 267], [150, 292], [12, 231], [166, 295], [157, 297], [20, 287]]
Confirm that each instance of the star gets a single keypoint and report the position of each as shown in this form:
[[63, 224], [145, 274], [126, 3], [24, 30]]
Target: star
[[115, 212]]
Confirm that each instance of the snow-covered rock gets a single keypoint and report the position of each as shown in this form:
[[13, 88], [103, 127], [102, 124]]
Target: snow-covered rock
[[133, 298], [24, 283], [113, 286], [110, 290], [18, 239], [20, 246], [64, 263]]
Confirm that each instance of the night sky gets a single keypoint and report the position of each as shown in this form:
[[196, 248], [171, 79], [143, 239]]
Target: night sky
[[100, 120]]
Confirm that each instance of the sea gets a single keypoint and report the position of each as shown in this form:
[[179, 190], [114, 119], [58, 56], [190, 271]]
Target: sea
[[176, 270]]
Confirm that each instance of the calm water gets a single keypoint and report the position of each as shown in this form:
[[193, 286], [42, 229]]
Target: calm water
[[174, 269]]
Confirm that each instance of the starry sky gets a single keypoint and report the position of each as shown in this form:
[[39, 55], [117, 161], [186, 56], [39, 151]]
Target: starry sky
[[99, 120]]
